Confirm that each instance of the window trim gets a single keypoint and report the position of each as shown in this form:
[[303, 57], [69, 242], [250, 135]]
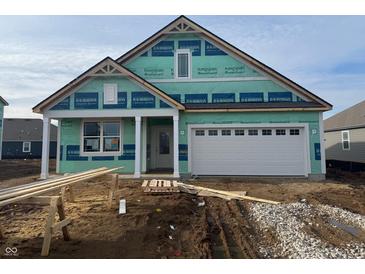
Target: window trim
[[183, 51], [30, 147], [228, 130], [101, 152], [115, 87], [343, 140]]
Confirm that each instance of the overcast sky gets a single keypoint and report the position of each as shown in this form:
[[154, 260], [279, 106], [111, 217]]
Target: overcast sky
[[40, 54]]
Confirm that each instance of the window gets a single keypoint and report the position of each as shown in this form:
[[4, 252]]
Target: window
[[199, 132], [239, 132], [26, 146], [294, 131], [164, 143], [345, 140], [182, 64], [226, 132], [212, 132], [280, 132], [101, 137], [266, 132], [252, 132], [110, 94]]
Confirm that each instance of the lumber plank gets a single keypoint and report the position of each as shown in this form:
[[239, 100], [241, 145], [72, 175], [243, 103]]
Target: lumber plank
[[45, 182], [145, 183], [42, 191], [48, 228], [43, 186], [61, 213], [60, 225], [190, 189]]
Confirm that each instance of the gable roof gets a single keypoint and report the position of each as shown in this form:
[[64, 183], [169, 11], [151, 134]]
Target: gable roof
[[20, 129], [182, 24], [4, 102], [106, 66], [352, 117]]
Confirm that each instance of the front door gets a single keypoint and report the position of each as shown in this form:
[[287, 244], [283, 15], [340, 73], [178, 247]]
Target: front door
[[161, 147]]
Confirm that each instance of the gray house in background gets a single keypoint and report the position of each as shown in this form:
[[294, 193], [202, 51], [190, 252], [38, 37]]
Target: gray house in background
[[22, 139], [345, 138]]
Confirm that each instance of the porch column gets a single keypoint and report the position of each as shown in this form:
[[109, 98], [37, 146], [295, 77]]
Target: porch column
[[176, 146], [45, 148], [137, 161]]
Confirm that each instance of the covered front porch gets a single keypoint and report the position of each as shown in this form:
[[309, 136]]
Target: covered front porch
[[153, 138]]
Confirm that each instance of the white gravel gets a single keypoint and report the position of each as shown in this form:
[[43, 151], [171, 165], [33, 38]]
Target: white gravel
[[288, 220]]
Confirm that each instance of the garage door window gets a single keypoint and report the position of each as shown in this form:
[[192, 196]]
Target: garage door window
[[213, 132], [253, 132], [226, 132], [239, 132], [280, 132], [294, 131], [199, 132], [266, 132]]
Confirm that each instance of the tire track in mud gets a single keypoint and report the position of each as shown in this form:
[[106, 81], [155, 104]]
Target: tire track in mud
[[232, 235]]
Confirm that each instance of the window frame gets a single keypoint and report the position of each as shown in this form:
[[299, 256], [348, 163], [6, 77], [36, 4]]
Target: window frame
[[115, 91], [226, 130], [294, 130], [343, 139], [266, 130], [200, 131], [176, 72], [280, 130], [213, 130], [239, 130], [30, 147], [101, 152], [255, 130]]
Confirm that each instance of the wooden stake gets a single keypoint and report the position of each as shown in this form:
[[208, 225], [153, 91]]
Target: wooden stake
[[112, 190], [48, 228]]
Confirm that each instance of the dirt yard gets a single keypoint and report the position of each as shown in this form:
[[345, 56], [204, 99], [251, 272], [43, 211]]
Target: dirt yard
[[315, 220]]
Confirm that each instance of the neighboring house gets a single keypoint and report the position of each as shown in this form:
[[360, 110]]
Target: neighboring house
[[23, 139], [2, 104], [187, 102], [345, 138]]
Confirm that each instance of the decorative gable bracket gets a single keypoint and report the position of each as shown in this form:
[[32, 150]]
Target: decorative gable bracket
[[181, 26], [107, 69]]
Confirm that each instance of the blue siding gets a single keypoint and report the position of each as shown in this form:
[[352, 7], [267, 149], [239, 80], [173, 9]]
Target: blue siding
[[14, 150]]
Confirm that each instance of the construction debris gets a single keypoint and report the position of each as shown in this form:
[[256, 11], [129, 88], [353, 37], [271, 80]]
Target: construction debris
[[160, 186], [122, 206], [228, 195], [30, 194]]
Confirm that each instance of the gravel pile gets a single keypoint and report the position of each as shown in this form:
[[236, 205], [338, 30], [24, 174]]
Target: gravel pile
[[288, 221]]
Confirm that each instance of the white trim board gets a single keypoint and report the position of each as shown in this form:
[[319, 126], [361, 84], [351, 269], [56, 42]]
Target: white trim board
[[212, 79], [305, 127], [109, 113]]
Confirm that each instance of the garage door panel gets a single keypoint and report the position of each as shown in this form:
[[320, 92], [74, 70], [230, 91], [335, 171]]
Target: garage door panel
[[248, 155]]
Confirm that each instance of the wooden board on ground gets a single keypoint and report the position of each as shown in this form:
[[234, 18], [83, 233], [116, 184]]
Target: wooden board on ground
[[228, 195], [160, 186]]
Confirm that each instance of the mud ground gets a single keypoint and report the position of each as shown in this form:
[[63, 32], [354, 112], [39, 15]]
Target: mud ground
[[173, 225]]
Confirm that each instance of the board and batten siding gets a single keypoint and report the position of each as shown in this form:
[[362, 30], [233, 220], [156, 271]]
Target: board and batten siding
[[334, 150]]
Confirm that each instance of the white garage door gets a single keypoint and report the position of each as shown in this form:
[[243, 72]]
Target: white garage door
[[248, 151]]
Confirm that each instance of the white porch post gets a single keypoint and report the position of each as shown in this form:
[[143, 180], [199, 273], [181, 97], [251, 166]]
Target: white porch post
[[137, 161], [58, 156], [176, 146], [45, 148]]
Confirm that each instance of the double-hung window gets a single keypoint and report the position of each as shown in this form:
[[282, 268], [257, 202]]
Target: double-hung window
[[26, 146], [101, 138], [345, 140], [182, 64]]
